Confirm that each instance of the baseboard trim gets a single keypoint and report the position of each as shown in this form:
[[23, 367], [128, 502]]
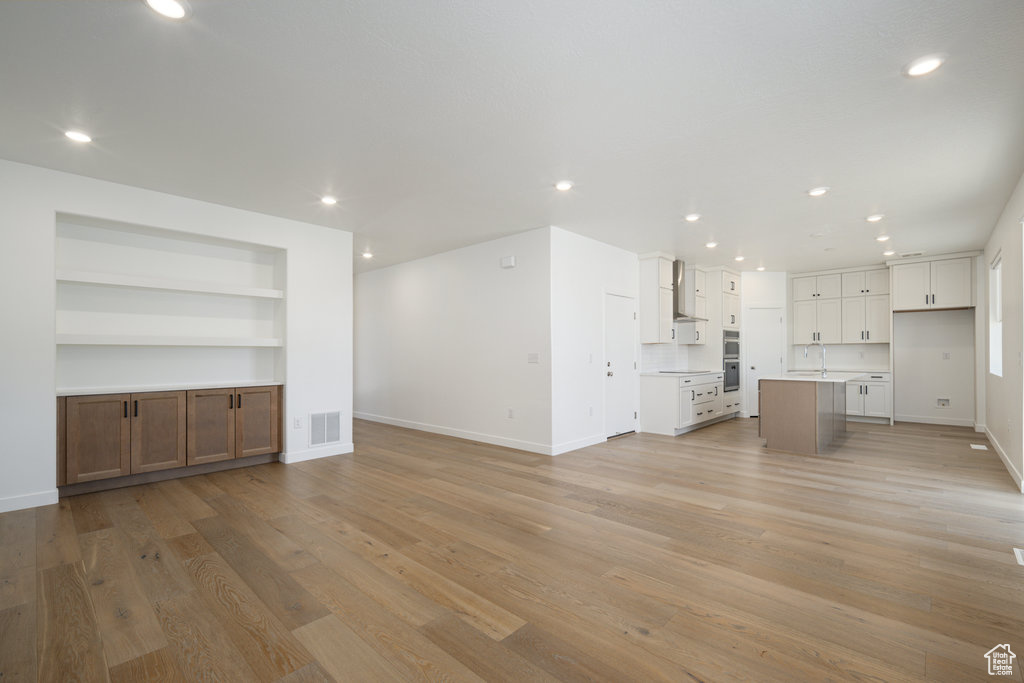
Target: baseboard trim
[[28, 500], [292, 457], [577, 444], [1018, 478], [543, 449], [924, 419], [980, 428]]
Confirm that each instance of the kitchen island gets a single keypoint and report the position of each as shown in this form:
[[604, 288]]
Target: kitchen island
[[803, 412]]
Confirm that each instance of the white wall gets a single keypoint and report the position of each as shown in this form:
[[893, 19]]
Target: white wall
[[318, 355], [442, 343], [1004, 396], [582, 272], [921, 373]]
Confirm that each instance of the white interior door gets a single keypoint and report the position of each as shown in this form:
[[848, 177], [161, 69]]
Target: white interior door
[[764, 341], [620, 348]]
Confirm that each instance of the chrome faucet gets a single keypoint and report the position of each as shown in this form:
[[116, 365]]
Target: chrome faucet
[[824, 372]]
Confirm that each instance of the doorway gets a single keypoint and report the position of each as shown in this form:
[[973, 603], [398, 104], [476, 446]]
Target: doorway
[[763, 356], [620, 365]]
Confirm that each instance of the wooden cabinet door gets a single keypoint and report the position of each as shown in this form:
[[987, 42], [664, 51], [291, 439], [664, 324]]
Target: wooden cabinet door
[[951, 283], [854, 331], [62, 440], [257, 414], [211, 425], [911, 286], [877, 282], [158, 431], [98, 437]]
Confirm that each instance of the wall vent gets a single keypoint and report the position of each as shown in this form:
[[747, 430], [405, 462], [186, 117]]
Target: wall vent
[[324, 428], [912, 254]]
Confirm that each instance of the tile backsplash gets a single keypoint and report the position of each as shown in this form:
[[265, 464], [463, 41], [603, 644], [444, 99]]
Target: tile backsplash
[[654, 357]]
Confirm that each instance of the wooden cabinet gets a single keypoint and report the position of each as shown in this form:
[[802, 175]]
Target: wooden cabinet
[[946, 283], [866, 319], [98, 437], [813, 287], [211, 425], [817, 321], [114, 435], [157, 431], [257, 421]]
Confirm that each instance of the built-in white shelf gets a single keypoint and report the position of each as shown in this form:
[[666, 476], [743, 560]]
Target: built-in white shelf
[[143, 282], [130, 389], [155, 340]]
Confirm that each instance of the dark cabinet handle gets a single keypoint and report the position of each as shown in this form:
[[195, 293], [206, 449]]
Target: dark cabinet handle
[[231, 402], [933, 299], [136, 408], [126, 408], [869, 334], [239, 400]]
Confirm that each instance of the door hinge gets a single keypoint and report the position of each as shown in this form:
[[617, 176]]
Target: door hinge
[[634, 414], [634, 315], [634, 365]]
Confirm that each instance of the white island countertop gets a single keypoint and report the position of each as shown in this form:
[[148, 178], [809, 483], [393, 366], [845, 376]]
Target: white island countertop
[[815, 376]]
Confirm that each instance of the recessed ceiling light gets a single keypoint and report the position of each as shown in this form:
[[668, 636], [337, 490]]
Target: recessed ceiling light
[[739, 258], [172, 9], [818, 191], [875, 217], [923, 65], [882, 238], [692, 217], [563, 185], [711, 245], [760, 268], [888, 253], [77, 136], [329, 200], [367, 254]]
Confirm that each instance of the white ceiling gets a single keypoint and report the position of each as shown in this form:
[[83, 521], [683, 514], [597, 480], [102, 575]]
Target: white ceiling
[[441, 123]]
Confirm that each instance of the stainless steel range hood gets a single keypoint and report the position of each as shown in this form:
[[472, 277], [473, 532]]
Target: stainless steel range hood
[[681, 304]]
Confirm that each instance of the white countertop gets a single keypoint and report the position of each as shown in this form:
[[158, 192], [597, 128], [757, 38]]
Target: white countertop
[[88, 391], [815, 376], [675, 374]]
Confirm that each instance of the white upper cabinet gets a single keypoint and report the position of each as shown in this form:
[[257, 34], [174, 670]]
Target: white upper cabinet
[[656, 301], [866, 319], [932, 284], [951, 283], [876, 281], [866, 282], [731, 311], [853, 318], [817, 287], [700, 279], [853, 284], [730, 283], [817, 321]]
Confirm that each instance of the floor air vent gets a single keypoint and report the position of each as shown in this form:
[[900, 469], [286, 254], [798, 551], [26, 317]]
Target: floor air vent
[[324, 428]]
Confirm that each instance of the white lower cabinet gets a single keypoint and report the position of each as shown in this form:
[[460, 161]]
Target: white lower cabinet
[[871, 398], [670, 404]]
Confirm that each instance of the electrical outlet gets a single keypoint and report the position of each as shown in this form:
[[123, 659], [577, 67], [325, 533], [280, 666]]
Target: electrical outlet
[[591, 411], [945, 355], [511, 414], [942, 402], [533, 358], [297, 423]]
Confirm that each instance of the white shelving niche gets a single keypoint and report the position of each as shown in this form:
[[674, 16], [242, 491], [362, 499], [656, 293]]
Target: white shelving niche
[[147, 307]]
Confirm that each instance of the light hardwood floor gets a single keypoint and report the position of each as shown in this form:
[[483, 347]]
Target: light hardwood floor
[[425, 557]]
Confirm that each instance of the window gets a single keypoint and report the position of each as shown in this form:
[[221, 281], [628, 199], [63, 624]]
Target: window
[[995, 316]]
